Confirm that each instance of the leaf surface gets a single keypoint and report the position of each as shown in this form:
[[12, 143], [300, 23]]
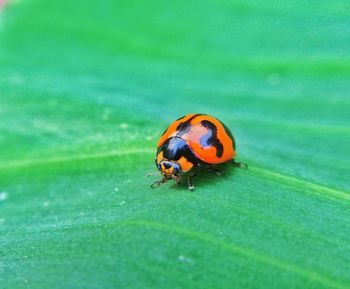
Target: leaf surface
[[86, 89]]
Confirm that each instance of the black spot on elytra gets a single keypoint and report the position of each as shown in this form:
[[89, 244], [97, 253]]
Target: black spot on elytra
[[185, 126], [211, 139]]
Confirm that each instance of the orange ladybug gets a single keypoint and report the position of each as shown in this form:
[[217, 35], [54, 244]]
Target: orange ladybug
[[193, 142]]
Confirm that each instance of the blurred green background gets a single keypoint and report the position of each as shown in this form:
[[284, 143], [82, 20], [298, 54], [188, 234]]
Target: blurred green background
[[86, 89]]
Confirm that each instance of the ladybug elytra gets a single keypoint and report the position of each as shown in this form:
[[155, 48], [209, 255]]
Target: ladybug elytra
[[193, 142]]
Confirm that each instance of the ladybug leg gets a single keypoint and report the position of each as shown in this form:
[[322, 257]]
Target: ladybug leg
[[239, 164], [177, 179], [215, 171], [158, 183], [190, 183]]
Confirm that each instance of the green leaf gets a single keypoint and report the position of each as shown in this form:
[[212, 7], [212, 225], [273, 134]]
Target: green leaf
[[87, 88]]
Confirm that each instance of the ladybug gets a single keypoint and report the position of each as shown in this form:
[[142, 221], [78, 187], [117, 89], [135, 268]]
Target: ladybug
[[193, 142]]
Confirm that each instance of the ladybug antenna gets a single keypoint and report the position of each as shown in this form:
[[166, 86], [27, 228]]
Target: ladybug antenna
[[152, 174]]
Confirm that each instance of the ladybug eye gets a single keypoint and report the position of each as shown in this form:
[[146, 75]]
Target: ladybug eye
[[176, 169], [167, 165]]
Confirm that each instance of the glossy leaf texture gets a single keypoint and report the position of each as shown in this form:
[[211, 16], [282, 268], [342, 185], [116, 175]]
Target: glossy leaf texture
[[87, 88]]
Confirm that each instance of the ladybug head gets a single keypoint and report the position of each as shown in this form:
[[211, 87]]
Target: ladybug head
[[169, 169]]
